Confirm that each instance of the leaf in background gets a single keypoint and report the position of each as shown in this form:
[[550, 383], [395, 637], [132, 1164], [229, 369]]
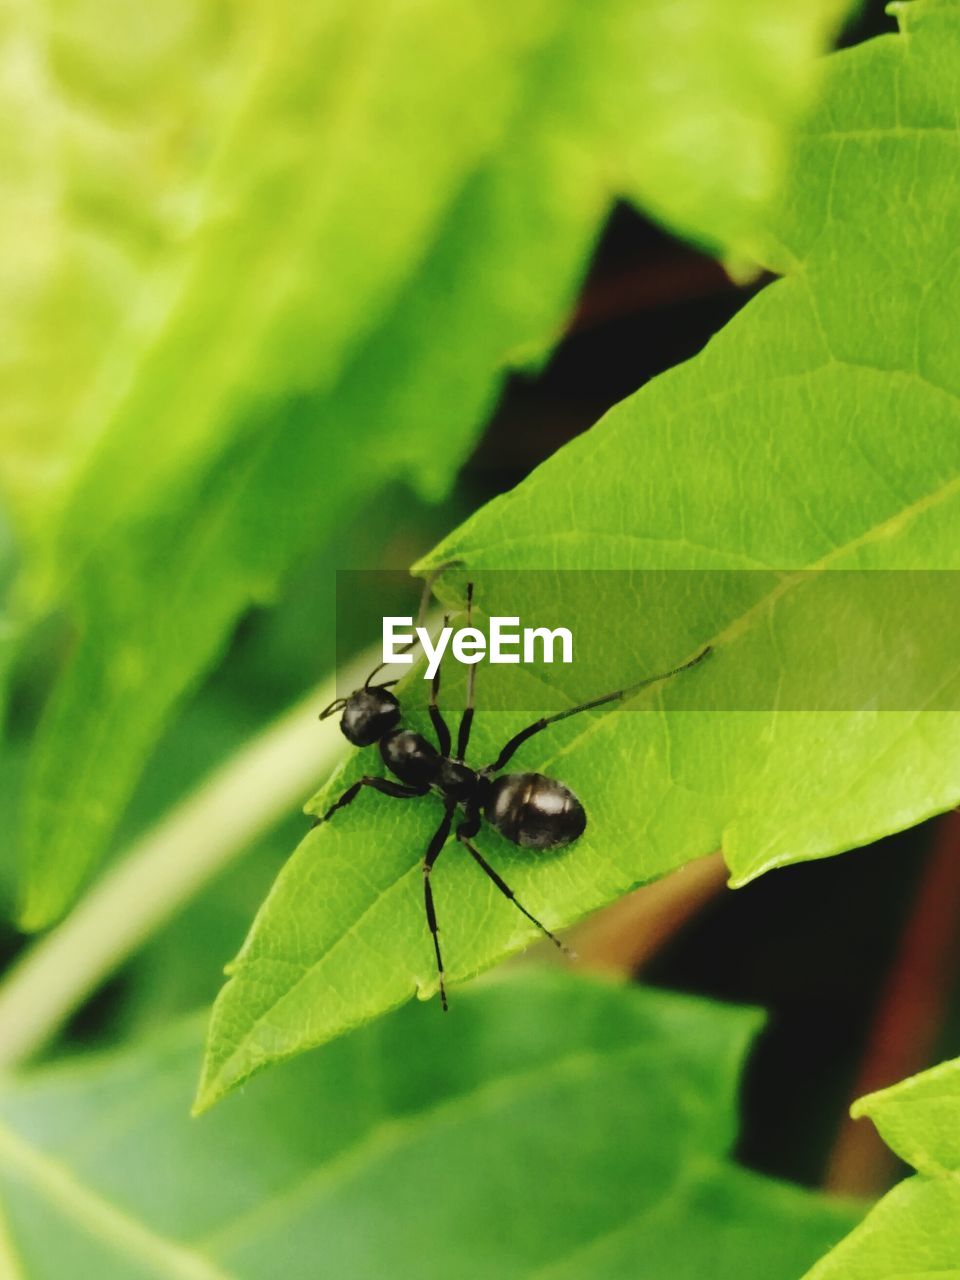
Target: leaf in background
[[181, 188], [186, 543], [248, 340], [248, 241], [551, 1127], [820, 429], [915, 1229], [727, 104]]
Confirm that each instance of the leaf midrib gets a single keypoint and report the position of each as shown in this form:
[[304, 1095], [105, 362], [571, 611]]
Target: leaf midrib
[[391, 1132], [98, 1217], [11, 1265], [741, 624], [697, 1171]]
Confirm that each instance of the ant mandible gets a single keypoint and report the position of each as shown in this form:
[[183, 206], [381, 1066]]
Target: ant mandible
[[529, 809]]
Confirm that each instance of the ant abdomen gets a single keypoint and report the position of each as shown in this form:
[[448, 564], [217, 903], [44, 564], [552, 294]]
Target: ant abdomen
[[534, 811]]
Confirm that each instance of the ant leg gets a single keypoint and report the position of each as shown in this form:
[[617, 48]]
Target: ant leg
[[436, 715], [462, 832], [466, 720], [434, 850], [397, 789], [617, 696], [428, 582]]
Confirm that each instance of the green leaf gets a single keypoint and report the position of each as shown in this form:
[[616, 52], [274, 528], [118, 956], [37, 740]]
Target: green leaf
[[179, 188], [819, 430], [729, 83], [550, 1127], [247, 185], [223, 341], [914, 1232], [184, 545]]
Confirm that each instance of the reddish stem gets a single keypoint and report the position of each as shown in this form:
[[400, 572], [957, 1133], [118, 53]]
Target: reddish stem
[[909, 1016]]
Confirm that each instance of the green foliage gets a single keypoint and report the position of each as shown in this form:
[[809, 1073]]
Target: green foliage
[[271, 264], [724, 91], [819, 430], [222, 340], [487, 1143], [914, 1231]]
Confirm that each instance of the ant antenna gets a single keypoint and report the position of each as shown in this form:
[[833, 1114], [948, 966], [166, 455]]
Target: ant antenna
[[337, 705], [366, 683], [466, 720], [425, 594], [618, 695]]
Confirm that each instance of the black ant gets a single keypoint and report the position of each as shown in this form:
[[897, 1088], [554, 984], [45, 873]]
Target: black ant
[[529, 809]]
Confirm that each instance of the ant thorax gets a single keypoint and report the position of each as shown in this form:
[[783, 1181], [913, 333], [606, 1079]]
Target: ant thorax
[[457, 781]]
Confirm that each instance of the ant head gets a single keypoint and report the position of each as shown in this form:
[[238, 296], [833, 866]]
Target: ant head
[[368, 714]]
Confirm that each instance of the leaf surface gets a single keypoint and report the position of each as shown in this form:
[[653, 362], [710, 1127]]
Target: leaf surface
[[820, 430], [914, 1231], [551, 1127]]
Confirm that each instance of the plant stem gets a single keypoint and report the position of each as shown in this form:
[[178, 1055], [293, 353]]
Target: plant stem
[[170, 863], [622, 938], [625, 936], [909, 1015]]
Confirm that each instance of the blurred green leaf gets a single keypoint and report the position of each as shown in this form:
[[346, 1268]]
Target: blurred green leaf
[[339, 111], [247, 229], [550, 1127], [705, 140], [914, 1231], [178, 969], [279, 654], [820, 429], [181, 189], [215, 188]]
